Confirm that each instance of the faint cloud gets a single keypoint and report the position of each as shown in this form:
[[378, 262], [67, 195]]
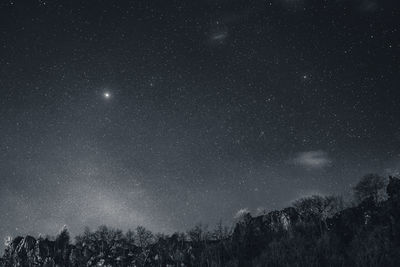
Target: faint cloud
[[312, 159], [218, 35]]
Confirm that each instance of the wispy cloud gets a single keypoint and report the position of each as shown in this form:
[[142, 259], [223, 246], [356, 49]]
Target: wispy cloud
[[312, 159]]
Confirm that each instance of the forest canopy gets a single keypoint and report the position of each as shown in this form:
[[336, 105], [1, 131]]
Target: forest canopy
[[314, 231]]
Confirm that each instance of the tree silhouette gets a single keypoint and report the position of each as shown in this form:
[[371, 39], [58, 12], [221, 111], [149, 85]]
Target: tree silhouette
[[61, 246], [317, 231], [370, 186]]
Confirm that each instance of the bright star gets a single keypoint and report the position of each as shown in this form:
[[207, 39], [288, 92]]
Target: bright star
[[107, 95]]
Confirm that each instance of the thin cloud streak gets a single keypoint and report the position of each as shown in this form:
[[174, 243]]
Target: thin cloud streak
[[312, 159]]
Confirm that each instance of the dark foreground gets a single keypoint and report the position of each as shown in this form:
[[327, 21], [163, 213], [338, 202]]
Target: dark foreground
[[316, 231]]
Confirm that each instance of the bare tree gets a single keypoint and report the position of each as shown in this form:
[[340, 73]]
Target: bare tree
[[143, 237], [221, 232], [319, 207], [370, 186]]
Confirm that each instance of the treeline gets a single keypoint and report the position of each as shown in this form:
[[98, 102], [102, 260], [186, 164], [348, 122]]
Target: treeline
[[315, 231]]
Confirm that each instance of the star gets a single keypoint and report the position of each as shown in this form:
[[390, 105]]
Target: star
[[107, 95]]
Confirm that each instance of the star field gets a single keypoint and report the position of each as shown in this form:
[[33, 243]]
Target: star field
[[169, 113]]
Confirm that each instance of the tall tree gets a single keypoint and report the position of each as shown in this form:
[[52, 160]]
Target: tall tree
[[369, 187]]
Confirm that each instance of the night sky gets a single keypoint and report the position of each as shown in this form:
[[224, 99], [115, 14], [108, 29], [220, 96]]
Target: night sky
[[169, 113]]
